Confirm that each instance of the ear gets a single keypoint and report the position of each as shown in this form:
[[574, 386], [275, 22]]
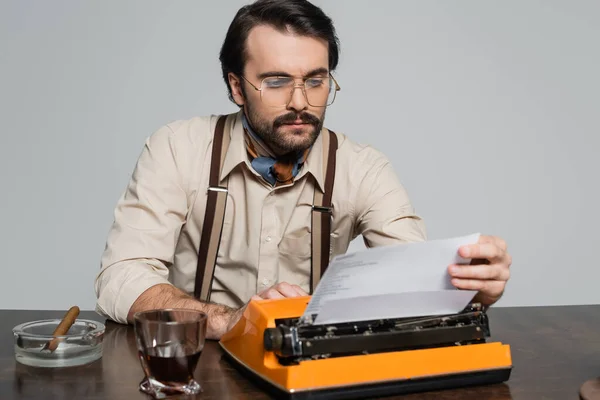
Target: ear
[[236, 89]]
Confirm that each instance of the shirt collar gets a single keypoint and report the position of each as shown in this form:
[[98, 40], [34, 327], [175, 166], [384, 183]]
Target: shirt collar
[[237, 154]]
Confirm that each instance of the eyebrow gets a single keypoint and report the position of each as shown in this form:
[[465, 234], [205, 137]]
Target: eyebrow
[[316, 71]]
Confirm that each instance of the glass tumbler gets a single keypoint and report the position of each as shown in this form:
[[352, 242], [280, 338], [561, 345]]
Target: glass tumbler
[[169, 344]]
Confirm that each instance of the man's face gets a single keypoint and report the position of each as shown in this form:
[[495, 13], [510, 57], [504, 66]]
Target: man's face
[[293, 126]]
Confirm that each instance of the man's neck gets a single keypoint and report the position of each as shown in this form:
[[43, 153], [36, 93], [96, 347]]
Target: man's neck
[[262, 148]]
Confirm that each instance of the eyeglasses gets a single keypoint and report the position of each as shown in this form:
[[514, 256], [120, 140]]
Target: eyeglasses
[[277, 91]]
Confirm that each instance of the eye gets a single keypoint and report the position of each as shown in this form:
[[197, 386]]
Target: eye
[[276, 83], [314, 83]]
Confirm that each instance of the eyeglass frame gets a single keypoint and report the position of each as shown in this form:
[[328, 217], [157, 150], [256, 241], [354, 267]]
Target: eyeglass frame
[[296, 85]]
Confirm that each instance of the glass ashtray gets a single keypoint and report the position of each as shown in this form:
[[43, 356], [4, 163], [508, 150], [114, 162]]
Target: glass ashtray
[[35, 345]]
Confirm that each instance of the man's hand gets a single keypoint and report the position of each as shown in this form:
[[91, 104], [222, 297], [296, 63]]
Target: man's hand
[[489, 270], [220, 317], [280, 291]]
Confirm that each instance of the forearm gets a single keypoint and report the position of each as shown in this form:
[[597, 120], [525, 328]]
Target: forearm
[[167, 296]]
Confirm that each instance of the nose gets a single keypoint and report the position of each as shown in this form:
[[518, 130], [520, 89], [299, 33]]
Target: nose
[[298, 100]]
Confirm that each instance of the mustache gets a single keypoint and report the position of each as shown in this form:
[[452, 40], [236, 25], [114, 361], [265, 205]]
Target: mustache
[[289, 118]]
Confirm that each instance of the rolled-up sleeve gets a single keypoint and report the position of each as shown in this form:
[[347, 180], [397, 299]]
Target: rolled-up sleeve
[[385, 215], [147, 221]]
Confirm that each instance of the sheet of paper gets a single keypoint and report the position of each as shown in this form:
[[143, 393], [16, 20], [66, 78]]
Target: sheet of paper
[[391, 282], [394, 305]]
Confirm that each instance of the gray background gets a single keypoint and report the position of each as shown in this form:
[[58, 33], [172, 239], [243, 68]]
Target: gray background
[[488, 111]]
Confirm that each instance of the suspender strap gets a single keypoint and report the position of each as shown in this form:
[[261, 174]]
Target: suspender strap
[[214, 215], [322, 213]]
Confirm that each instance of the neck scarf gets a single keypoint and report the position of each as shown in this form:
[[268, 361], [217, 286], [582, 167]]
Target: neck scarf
[[275, 170]]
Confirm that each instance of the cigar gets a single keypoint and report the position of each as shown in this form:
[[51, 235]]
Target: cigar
[[62, 328]]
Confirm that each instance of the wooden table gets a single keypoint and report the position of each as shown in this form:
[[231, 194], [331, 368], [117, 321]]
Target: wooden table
[[555, 349]]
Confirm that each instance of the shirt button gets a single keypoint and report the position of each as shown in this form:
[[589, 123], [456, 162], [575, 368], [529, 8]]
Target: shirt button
[[268, 238], [265, 282]]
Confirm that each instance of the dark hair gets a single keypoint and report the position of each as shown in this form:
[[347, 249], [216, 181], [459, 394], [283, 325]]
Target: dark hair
[[300, 16]]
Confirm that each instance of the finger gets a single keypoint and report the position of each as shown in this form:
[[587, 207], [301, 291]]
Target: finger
[[271, 293], [468, 284], [483, 272], [299, 290], [501, 243], [256, 297], [491, 289], [286, 289], [483, 250]]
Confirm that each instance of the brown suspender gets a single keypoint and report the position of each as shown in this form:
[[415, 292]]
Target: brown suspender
[[214, 215], [322, 213]]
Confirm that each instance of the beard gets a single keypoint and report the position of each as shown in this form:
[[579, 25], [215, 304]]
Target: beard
[[292, 140]]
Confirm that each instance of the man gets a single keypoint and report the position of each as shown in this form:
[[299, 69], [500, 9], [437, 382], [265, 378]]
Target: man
[[278, 59]]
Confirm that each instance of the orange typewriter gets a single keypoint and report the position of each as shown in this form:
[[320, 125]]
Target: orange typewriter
[[296, 359]]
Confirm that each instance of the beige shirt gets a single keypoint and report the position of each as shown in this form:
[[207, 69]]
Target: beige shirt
[[266, 235]]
